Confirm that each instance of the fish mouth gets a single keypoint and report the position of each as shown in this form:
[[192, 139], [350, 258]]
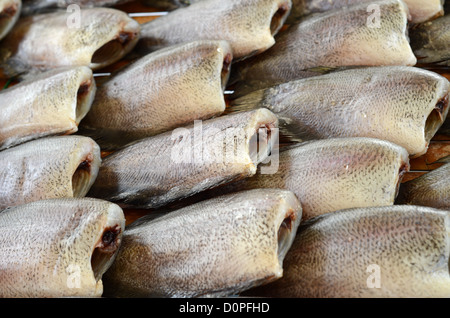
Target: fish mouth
[[8, 16], [262, 142], [436, 118], [279, 17], [85, 97], [86, 171], [107, 245], [226, 67], [9, 12], [404, 168], [115, 49], [285, 234]]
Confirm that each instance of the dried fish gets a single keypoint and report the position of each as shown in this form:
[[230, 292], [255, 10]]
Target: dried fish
[[430, 189], [420, 11], [9, 14], [94, 37], [249, 26], [171, 87], [53, 167], [52, 103], [395, 251], [155, 171], [342, 38], [58, 247], [430, 41], [333, 174], [401, 104], [214, 248]]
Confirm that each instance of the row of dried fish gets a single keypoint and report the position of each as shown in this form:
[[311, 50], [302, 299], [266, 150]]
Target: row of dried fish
[[105, 35], [251, 242], [420, 11], [316, 182], [361, 102]]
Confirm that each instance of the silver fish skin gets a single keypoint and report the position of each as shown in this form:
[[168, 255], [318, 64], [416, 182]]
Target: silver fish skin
[[340, 38], [423, 11], [431, 189], [9, 14], [158, 170], [95, 37], [402, 104], [58, 247], [52, 103], [430, 41], [47, 168], [248, 25], [334, 174], [420, 11], [193, 75], [218, 247], [378, 252]]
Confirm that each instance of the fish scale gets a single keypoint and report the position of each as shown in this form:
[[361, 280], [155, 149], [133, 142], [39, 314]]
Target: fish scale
[[64, 241], [215, 248], [331, 255], [402, 104], [47, 168], [344, 39]]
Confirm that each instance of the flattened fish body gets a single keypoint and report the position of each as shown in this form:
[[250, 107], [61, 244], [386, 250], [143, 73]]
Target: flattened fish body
[[431, 189], [53, 167], [215, 248], [345, 37], [94, 37], [430, 41], [52, 103], [395, 251], [249, 26], [333, 174], [166, 89], [58, 247], [9, 14], [420, 10], [401, 104], [157, 170]]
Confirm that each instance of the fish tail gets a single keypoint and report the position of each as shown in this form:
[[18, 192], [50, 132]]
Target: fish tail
[[443, 160], [107, 140], [12, 69], [247, 102], [289, 131]]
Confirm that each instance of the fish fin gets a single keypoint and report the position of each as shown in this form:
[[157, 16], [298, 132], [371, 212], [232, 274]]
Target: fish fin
[[247, 102], [242, 86], [290, 131], [293, 133], [445, 159], [13, 68], [106, 139], [322, 70]]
